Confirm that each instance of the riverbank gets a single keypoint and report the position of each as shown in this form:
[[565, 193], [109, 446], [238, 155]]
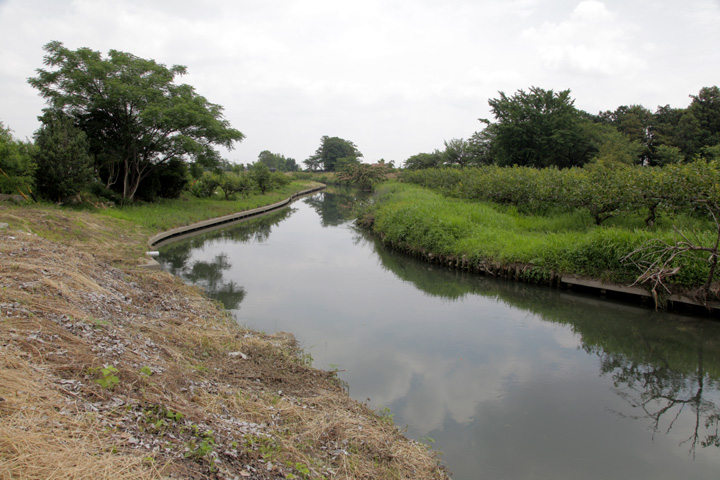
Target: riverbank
[[561, 250], [110, 370]]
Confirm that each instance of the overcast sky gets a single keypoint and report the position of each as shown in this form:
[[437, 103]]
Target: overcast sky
[[396, 77]]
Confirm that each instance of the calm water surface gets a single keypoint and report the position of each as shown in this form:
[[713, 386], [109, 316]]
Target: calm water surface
[[510, 381]]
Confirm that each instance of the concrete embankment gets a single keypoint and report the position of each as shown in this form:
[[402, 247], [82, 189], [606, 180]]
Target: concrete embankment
[[576, 283], [178, 233]]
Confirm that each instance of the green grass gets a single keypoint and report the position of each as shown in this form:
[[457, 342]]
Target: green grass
[[415, 218], [166, 214]]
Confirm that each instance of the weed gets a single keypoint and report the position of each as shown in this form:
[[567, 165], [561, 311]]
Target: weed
[[107, 379]]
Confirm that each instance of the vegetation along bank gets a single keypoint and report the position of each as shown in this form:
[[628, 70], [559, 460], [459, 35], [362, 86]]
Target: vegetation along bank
[[109, 370], [546, 225]]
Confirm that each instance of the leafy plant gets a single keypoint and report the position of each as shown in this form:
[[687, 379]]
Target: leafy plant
[[107, 379]]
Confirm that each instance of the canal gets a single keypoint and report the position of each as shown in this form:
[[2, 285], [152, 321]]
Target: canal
[[507, 380]]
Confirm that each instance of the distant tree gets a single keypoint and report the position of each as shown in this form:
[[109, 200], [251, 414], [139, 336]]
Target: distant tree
[[65, 166], [313, 163], [260, 173], [343, 162], [457, 152], [330, 150], [291, 165], [637, 123], [424, 160], [132, 112], [277, 161], [232, 183], [17, 164], [705, 108], [538, 128]]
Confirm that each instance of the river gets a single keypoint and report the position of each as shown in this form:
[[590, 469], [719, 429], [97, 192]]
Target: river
[[507, 380]]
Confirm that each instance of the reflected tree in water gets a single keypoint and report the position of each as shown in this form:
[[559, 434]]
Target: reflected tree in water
[[335, 206], [663, 392], [209, 276]]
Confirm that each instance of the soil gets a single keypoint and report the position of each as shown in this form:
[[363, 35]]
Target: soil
[[110, 370]]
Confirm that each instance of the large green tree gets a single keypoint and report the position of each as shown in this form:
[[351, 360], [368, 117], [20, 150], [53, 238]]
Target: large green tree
[[538, 128], [65, 167], [134, 114], [331, 149]]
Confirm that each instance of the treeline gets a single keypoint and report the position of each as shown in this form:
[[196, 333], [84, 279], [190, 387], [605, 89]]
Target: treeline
[[120, 128], [601, 190], [542, 128]]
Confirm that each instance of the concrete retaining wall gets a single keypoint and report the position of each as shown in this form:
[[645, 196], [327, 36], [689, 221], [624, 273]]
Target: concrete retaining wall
[[175, 234]]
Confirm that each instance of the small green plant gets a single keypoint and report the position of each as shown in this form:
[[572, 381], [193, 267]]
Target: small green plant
[[385, 415], [107, 379], [146, 371]]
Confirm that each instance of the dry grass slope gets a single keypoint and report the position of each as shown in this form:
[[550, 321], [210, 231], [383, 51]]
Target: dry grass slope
[[109, 371]]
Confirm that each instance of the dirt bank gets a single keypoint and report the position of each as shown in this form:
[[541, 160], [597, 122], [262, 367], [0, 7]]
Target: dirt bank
[[108, 370]]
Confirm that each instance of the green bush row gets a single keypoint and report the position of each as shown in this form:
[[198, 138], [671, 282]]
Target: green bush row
[[472, 233], [602, 191]]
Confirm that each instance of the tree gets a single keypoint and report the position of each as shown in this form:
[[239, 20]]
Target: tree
[[16, 164], [261, 174], [362, 175], [705, 107], [277, 161], [330, 150], [457, 152], [133, 113], [232, 183], [424, 160], [539, 128], [634, 121], [65, 167]]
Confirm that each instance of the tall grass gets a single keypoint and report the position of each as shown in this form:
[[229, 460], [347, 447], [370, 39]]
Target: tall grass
[[566, 242]]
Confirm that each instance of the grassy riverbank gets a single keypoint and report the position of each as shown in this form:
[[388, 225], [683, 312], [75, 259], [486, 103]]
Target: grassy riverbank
[[484, 236], [112, 371]]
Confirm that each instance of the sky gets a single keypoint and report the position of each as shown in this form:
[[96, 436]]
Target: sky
[[395, 77]]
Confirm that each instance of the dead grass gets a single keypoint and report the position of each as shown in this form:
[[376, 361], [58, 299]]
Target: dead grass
[[108, 370]]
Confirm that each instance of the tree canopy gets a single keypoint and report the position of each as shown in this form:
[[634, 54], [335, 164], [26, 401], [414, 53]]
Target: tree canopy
[[134, 115], [538, 128], [65, 166], [330, 151]]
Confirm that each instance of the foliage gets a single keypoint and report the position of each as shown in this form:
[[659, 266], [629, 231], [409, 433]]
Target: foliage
[[65, 167], [539, 128], [330, 150], [489, 236], [232, 183], [260, 173], [277, 161], [106, 376], [167, 180], [457, 153], [363, 175], [206, 185], [424, 160], [132, 112], [601, 189], [17, 164]]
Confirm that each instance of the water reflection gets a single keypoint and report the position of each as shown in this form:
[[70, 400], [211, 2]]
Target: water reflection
[[663, 366], [209, 274], [511, 380]]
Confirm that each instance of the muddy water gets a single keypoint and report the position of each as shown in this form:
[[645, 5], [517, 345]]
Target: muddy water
[[509, 381]]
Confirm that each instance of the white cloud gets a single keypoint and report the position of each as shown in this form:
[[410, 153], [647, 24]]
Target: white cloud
[[397, 77], [593, 40]]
